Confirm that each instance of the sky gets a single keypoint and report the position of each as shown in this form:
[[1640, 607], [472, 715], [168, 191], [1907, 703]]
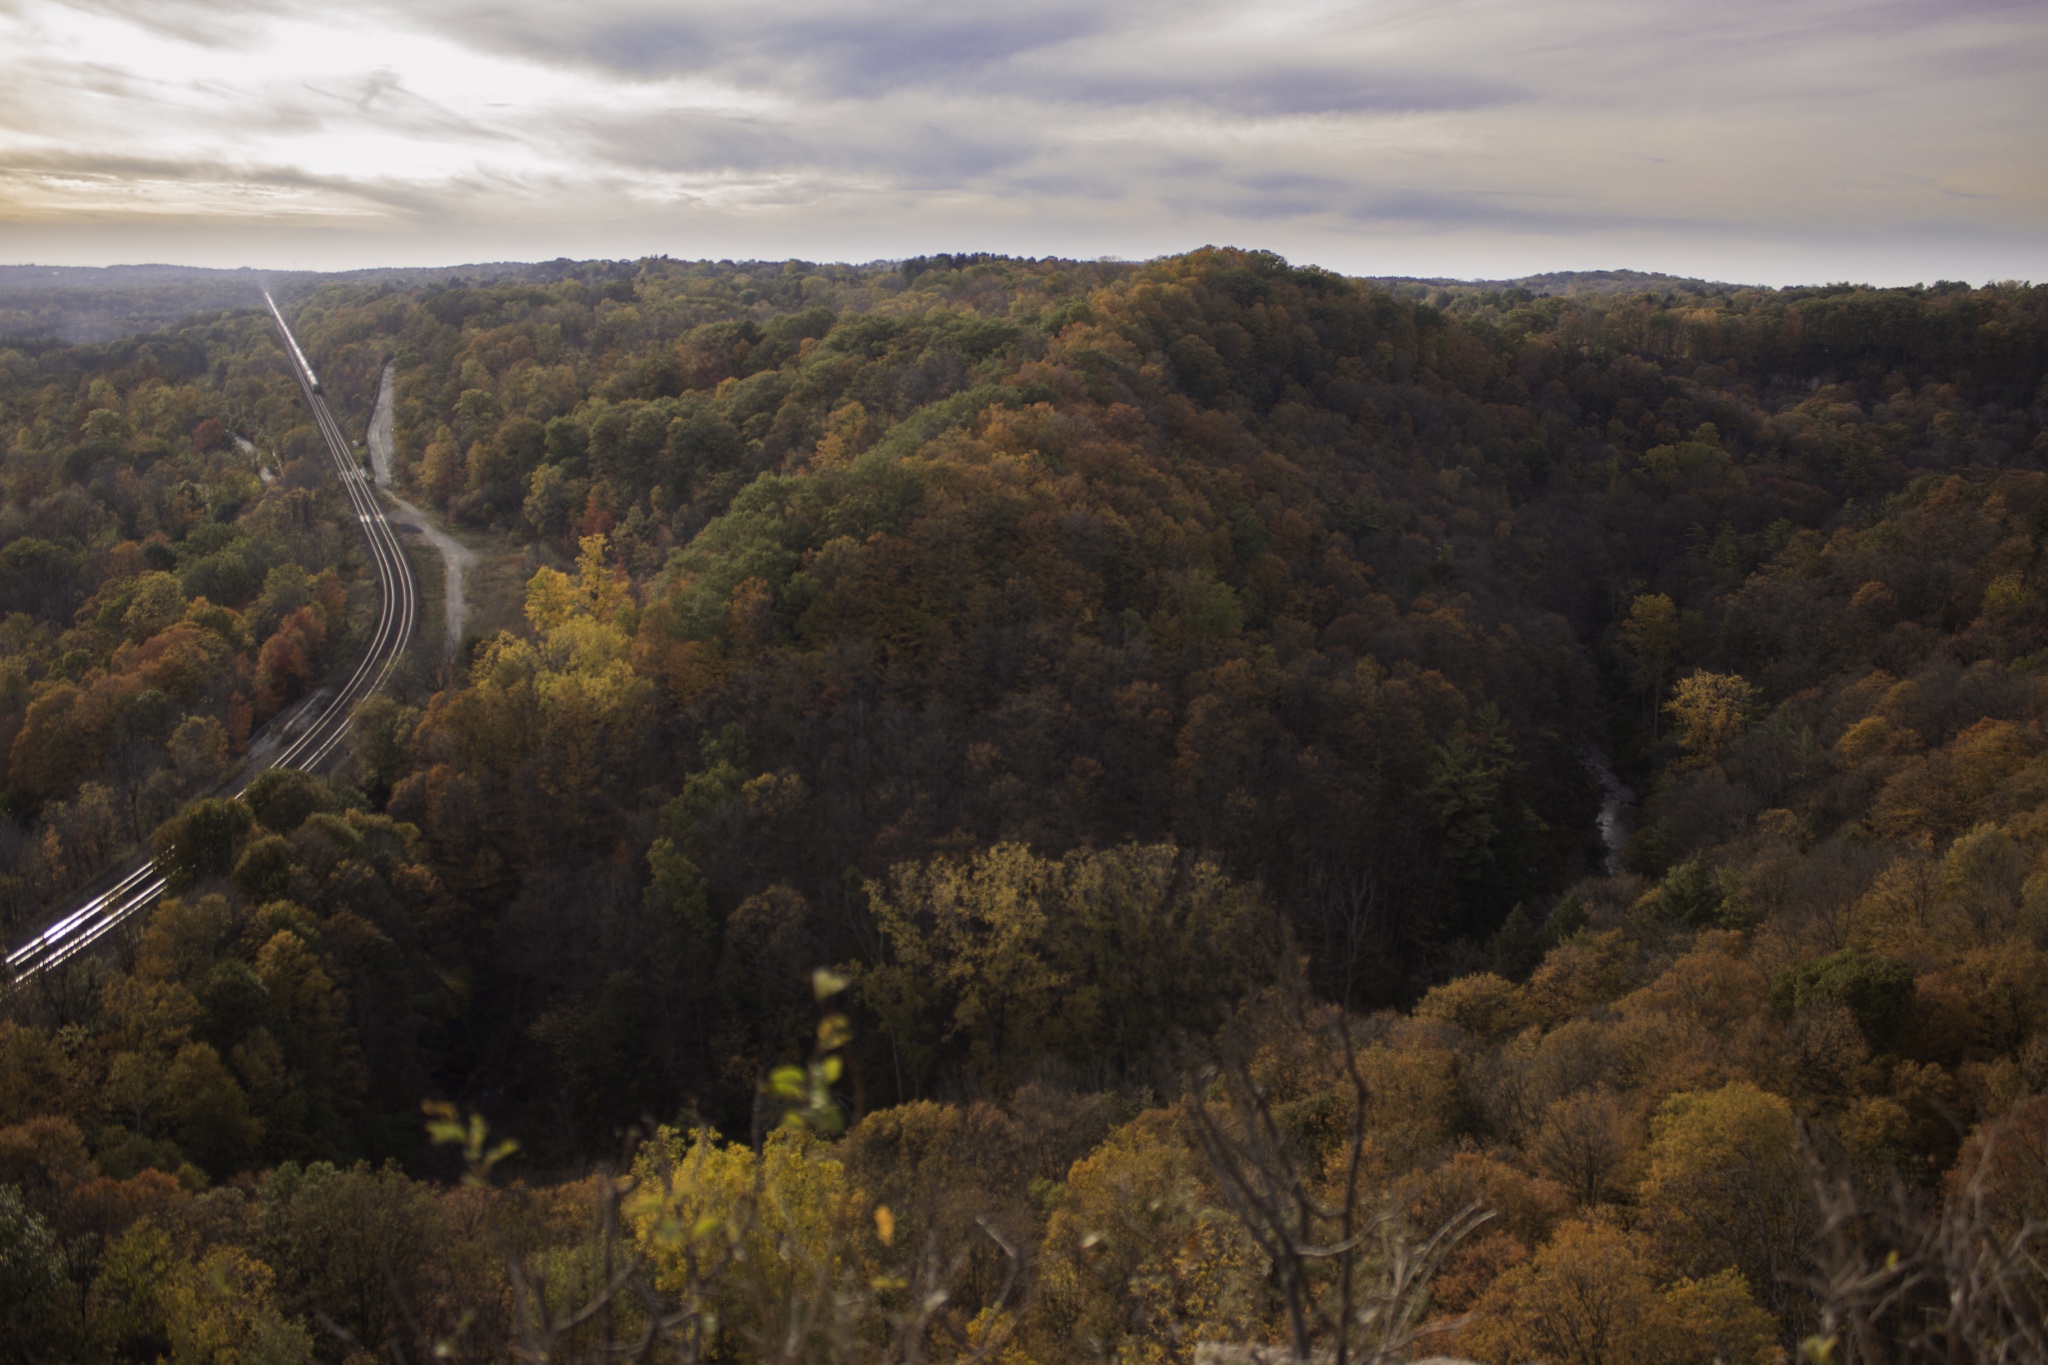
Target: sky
[[1764, 141]]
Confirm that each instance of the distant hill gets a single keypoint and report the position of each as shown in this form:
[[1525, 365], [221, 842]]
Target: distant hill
[[99, 303], [1564, 283]]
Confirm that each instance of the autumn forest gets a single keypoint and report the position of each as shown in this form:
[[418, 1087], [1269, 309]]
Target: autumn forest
[[1039, 812]]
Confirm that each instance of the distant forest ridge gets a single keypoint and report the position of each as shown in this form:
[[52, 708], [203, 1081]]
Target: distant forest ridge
[[86, 304]]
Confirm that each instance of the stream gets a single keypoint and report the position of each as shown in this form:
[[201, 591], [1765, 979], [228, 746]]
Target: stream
[[1616, 799]]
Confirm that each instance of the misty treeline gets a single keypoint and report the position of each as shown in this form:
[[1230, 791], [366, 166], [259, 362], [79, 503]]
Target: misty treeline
[[1165, 700]]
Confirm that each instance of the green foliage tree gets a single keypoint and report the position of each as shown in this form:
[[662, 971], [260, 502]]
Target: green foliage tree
[[31, 1283], [351, 1243], [199, 842], [282, 799], [1877, 991]]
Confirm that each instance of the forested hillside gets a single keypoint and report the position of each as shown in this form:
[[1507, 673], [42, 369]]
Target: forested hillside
[[1155, 715], [174, 570]]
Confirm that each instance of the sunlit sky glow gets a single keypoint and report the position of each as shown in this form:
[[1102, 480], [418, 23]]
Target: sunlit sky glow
[[1776, 141]]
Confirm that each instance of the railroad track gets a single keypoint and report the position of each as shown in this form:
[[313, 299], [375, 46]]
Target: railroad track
[[313, 735]]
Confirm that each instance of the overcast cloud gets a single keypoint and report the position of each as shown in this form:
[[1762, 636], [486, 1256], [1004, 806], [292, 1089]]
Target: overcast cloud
[[1769, 140]]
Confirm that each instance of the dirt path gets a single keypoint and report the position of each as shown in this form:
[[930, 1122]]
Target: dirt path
[[456, 557], [381, 445]]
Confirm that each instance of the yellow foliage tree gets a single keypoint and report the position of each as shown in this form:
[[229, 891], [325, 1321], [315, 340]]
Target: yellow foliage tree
[[761, 1242], [1483, 1004], [1650, 639], [1723, 1188], [848, 432], [550, 598], [1712, 711], [1588, 1298], [1715, 1320], [1583, 1299], [126, 1302], [1136, 1265], [1095, 956], [977, 932], [604, 588], [221, 1311]]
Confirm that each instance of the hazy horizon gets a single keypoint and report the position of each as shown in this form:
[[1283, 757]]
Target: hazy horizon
[[261, 273]]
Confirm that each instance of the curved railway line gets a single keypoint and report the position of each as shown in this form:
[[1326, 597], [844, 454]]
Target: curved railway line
[[320, 729]]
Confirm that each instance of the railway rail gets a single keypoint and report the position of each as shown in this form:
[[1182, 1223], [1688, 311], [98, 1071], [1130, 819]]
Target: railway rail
[[312, 736]]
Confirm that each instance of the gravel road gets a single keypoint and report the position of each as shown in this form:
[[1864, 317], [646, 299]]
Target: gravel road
[[456, 556]]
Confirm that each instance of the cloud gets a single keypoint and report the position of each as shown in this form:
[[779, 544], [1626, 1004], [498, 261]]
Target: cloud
[[1333, 128], [229, 26], [859, 48], [1060, 52], [880, 148]]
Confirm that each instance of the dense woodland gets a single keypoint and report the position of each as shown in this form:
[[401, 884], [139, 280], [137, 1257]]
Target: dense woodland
[[172, 562], [1045, 811]]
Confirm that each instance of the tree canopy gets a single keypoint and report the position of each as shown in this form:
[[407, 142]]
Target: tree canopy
[[1573, 756]]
